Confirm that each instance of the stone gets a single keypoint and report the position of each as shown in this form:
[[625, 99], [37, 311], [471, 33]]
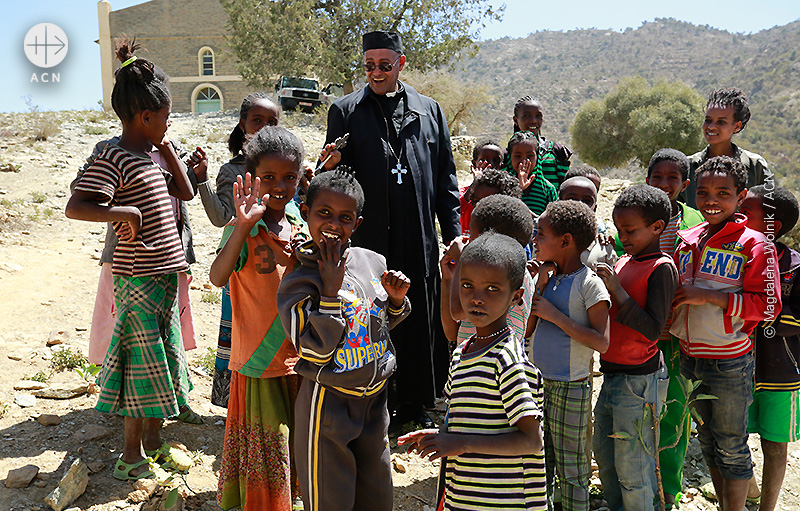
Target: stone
[[25, 400], [56, 337], [14, 356], [63, 390], [29, 385], [48, 419], [148, 485], [21, 477], [91, 432], [137, 496], [96, 466], [72, 486], [399, 465]]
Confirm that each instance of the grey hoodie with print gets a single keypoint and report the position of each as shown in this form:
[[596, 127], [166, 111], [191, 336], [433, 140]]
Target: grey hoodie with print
[[343, 341]]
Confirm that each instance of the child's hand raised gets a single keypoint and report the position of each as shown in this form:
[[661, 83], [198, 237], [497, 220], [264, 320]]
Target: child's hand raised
[[451, 256], [525, 173], [479, 167], [396, 285], [331, 265], [198, 162], [245, 197], [433, 444]]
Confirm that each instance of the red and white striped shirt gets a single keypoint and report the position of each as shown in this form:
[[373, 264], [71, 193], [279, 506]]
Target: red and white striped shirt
[[129, 179]]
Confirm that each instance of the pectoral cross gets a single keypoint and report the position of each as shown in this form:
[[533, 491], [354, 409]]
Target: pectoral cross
[[399, 171]]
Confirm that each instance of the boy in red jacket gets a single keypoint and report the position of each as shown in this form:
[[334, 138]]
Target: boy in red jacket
[[642, 285], [728, 283]]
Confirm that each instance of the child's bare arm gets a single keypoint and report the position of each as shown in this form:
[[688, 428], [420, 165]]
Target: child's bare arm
[[90, 207], [435, 444], [449, 325], [596, 336], [248, 213], [228, 256], [179, 186], [693, 295]]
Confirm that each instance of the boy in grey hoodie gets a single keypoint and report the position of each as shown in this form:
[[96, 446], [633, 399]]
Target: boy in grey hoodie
[[337, 309]]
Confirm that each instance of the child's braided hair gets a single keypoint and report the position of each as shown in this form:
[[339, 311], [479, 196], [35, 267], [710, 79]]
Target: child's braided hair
[[342, 180], [139, 84], [525, 100]]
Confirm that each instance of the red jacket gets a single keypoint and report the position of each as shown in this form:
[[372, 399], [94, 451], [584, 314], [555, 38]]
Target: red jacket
[[738, 261], [630, 346]]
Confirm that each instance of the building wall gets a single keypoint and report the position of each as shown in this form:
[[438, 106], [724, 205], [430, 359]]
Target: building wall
[[173, 32]]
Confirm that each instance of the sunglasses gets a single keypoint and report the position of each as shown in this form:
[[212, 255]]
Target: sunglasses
[[383, 66]]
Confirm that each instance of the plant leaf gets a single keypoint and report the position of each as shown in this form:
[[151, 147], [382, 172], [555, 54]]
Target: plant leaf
[[699, 397], [621, 435], [172, 499]]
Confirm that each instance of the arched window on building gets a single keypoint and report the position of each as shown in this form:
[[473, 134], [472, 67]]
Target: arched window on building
[[206, 61]]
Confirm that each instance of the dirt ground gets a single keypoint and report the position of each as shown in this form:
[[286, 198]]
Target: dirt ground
[[48, 278]]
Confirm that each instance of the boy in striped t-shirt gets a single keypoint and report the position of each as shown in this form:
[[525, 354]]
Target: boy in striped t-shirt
[[492, 435], [728, 282]]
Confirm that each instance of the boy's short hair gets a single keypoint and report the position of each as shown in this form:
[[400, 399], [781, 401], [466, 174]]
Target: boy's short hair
[[582, 170], [727, 166], [495, 249], [572, 217], [652, 203], [733, 97], [673, 155], [782, 204], [483, 143], [273, 140], [505, 215], [576, 180], [500, 179], [341, 180]]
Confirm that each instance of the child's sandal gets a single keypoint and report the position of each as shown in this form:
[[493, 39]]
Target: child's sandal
[[122, 470], [189, 416]]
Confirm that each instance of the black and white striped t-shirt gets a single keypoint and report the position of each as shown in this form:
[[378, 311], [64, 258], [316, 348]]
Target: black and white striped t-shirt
[[128, 179], [488, 392]]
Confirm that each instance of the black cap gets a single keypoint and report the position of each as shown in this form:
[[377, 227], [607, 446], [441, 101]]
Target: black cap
[[382, 40]]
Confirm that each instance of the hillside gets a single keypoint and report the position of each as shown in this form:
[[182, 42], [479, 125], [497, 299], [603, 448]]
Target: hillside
[[565, 69]]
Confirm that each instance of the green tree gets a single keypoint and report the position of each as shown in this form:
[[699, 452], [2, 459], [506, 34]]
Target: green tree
[[323, 37], [459, 99], [635, 120]]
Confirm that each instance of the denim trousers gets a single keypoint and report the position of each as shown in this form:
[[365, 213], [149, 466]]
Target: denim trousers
[[627, 471], [723, 434]]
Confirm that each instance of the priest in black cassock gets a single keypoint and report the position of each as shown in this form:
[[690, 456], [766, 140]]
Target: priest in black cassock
[[399, 149]]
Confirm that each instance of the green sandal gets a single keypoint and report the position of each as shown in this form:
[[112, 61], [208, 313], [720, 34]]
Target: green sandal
[[122, 470], [189, 416]]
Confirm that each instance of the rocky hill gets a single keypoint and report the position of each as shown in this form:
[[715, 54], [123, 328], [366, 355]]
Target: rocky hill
[[566, 69]]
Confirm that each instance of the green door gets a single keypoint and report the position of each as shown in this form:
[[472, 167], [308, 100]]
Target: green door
[[207, 101]]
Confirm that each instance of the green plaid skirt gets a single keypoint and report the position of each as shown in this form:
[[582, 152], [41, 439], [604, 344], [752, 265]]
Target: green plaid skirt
[[145, 373]]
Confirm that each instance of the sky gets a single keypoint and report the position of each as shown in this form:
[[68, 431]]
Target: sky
[[80, 83]]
